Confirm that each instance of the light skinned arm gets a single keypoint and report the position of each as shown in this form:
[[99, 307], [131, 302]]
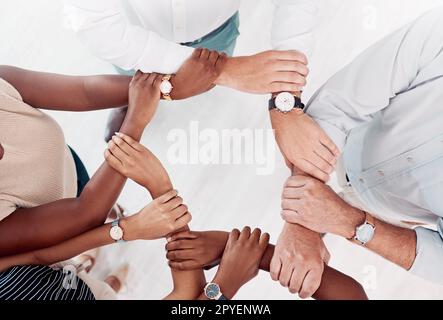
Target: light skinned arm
[[314, 205], [68, 218]]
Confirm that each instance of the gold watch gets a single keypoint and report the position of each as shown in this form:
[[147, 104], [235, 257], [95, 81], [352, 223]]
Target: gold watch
[[166, 87]]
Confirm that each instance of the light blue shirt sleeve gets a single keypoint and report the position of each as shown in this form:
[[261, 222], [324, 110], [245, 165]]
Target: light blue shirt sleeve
[[366, 86], [428, 263]]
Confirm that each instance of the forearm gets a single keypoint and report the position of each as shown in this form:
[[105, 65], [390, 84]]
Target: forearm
[[65, 218], [66, 250], [69, 93], [395, 244]]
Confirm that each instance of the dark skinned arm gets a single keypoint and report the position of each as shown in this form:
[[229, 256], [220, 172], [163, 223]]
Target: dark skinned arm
[[55, 222]]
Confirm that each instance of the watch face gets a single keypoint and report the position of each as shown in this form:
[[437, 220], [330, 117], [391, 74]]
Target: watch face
[[212, 291], [116, 233], [365, 233], [166, 87], [285, 101]]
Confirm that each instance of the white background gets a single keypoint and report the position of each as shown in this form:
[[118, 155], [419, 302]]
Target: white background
[[219, 197]]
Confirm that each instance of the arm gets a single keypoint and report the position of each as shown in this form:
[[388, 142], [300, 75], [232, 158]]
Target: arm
[[68, 93], [67, 218], [137, 163], [316, 206], [155, 221], [102, 26]]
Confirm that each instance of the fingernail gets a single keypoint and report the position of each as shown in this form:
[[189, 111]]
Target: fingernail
[[169, 239], [119, 134]]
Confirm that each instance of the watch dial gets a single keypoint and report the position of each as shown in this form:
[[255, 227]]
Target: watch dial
[[365, 233], [212, 291], [285, 101], [116, 233], [166, 87]]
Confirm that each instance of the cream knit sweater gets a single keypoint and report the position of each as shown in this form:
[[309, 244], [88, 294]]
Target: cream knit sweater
[[37, 166]]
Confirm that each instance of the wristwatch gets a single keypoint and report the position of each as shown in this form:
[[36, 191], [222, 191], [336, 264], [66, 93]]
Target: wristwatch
[[166, 87], [285, 102], [116, 232], [213, 292], [365, 232]]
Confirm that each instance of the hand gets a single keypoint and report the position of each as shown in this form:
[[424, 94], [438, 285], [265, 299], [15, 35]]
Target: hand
[[131, 159], [161, 217], [266, 72], [189, 250], [314, 205], [298, 261], [304, 144], [144, 96], [198, 74], [241, 260]]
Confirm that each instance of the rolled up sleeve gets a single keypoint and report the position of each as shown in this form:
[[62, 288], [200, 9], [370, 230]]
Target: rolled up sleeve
[[6, 208], [428, 262], [101, 25]]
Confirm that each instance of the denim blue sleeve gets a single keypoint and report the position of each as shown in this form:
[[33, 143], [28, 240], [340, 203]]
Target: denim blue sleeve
[[428, 263]]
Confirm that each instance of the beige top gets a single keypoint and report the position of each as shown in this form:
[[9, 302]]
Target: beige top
[[37, 166]]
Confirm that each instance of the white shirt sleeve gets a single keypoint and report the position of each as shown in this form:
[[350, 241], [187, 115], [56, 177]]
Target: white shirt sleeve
[[367, 85], [293, 25], [103, 27], [429, 257]]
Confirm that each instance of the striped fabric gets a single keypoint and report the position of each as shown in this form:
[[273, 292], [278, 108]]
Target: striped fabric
[[34, 283]]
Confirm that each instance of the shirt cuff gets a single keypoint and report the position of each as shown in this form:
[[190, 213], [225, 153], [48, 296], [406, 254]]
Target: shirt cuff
[[428, 262]]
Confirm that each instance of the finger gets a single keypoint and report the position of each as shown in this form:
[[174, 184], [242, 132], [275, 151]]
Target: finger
[[145, 77], [255, 235], [291, 55], [321, 163], [292, 193], [286, 274], [296, 281], [326, 155], [275, 87], [178, 212], [125, 147], [311, 283], [275, 267], [134, 144], [184, 265], [180, 255], [204, 54], [213, 57], [221, 59], [173, 203], [183, 235], [234, 235], [118, 153], [245, 234], [291, 204], [264, 240], [197, 53], [115, 163], [138, 75], [180, 245], [328, 143], [157, 81], [167, 196], [290, 216], [290, 77], [312, 170], [150, 80], [294, 66], [297, 181], [183, 221]]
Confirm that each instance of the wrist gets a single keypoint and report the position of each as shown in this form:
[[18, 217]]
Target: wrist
[[227, 287], [133, 127], [353, 218], [225, 77]]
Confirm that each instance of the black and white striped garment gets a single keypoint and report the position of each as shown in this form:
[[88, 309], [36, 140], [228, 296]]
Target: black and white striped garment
[[33, 283]]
